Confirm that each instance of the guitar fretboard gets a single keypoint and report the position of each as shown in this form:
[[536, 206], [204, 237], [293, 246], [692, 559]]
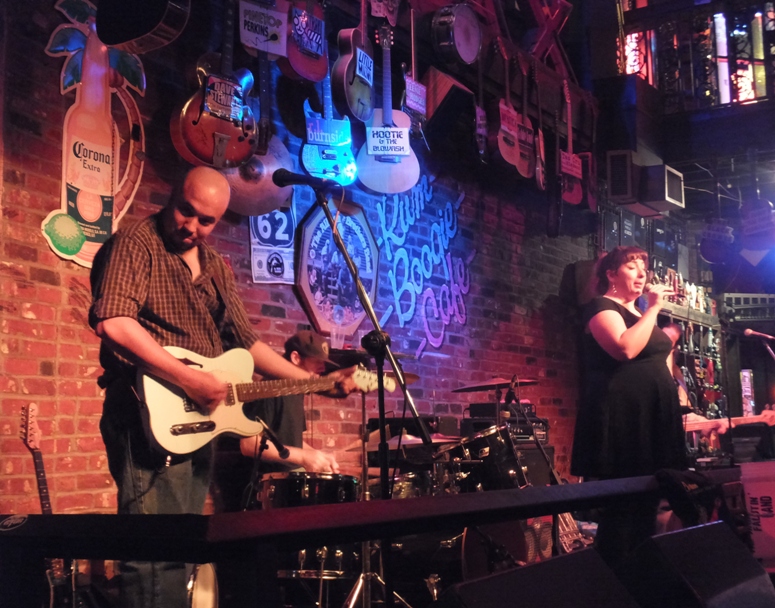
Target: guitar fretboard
[[40, 476], [250, 391]]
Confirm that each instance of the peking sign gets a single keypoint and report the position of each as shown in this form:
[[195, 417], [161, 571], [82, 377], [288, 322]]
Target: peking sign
[[425, 276]]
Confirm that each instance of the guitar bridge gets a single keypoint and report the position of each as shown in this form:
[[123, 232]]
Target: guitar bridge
[[192, 428], [388, 159]]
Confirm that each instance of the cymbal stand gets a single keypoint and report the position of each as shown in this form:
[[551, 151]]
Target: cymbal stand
[[377, 343]]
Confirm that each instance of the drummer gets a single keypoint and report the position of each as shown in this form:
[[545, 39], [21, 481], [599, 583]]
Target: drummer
[[285, 415]]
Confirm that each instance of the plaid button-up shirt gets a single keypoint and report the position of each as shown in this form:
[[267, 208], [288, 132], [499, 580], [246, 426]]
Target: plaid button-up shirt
[[135, 275]]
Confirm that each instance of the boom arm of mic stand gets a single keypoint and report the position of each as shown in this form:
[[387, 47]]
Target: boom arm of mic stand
[[368, 308]]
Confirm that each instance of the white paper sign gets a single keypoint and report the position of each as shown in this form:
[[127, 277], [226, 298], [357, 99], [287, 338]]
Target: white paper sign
[[263, 28], [271, 265], [271, 246], [388, 141], [364, 66]]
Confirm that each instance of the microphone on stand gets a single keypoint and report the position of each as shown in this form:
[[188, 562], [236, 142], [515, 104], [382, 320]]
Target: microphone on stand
[[283, 178], [271, 436], [755, 334]]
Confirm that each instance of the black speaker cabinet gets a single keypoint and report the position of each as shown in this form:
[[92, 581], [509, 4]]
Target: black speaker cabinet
[[703, 566], [576, 580], [537, 468]]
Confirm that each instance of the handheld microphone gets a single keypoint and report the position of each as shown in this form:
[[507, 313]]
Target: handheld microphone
[[756, 334], [283, 178]]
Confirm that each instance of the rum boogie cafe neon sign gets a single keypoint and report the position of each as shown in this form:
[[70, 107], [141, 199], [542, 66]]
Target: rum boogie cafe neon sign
[[410, 274]]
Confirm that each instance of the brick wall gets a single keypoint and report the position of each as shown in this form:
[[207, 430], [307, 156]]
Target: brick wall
[[515, 322]]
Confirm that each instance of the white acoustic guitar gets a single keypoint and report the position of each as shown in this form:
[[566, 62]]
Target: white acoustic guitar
[[175, 424]]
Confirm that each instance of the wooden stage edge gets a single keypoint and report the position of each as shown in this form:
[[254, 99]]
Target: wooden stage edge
[[236, 536]]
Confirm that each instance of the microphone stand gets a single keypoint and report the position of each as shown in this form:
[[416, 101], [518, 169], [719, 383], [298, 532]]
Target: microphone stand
[[377, 343]]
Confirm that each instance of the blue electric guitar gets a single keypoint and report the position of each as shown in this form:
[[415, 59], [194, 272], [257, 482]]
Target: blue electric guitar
[[328, 152]]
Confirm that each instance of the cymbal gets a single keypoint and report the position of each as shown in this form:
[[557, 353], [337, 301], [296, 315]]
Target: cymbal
[[494, 384], [407, 441], [408, 376]]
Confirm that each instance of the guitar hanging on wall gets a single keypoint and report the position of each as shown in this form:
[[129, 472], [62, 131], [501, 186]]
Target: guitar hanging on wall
[[386, 162], [570, 163], [352, 77], [252, 190], [480, 116], [504, 122], [215, 127], [60, 574], [525, 134], [327, 153], [307, 57], [540, 148]]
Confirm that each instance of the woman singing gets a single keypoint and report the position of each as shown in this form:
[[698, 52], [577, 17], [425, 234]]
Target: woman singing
[[629, 421]]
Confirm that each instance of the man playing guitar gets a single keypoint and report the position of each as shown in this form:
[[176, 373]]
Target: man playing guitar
[[154, 284]]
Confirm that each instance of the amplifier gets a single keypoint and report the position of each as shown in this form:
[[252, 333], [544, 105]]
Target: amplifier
[[521, 431], [445, 425]]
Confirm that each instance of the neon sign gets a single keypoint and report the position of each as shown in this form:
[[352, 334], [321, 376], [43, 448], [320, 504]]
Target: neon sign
[[410, 275]]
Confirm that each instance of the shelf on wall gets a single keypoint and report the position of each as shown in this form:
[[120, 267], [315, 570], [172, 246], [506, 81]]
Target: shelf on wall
[[684, 313]]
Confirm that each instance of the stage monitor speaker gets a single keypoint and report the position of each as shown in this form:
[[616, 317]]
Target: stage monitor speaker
[[704, 566], [568, 581]]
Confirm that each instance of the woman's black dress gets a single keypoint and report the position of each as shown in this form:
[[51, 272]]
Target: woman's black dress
[[629, 422]]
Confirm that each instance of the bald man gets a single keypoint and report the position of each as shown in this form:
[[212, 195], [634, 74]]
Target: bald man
[[158, 283]]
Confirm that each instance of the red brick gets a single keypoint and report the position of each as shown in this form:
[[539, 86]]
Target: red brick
[[49, 295], [23, 367], [65, 426], [90, 444], [71, 351], [32, 386], [68, 370], [69, 388], [94, 481], [45, 350], [89, 426], [64, 483], [70, 464], [89, 407], [67, 407], [74, 503], [8, 385]]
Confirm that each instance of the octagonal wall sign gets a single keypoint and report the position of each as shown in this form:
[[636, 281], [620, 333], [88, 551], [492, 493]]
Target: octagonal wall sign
[[323, 282]]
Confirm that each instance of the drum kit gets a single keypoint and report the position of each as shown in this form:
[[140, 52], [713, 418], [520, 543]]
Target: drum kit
[[423, 564]]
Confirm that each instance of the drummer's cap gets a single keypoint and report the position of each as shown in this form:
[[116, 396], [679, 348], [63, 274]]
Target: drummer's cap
[[309, 344]]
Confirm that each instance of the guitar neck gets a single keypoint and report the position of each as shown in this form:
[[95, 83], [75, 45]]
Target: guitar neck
[[328, 106], [40, 476], [250, 391], [413, 53], [387, 85], [227, 52], [569, 116], [506, 80], [364, 17]]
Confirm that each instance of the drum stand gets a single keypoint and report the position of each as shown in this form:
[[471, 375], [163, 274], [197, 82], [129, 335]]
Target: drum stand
[[363, 586]]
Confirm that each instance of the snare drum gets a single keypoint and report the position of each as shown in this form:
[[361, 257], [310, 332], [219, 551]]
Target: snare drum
[[203, 587], [300, 489], [497, 468], [456, 33]]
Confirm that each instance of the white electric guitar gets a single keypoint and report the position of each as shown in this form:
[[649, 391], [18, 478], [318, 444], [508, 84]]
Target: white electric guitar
[[175, 424]]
